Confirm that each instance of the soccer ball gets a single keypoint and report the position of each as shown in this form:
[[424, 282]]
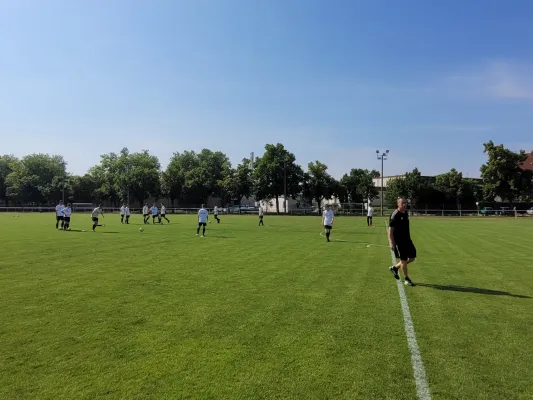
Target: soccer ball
[[141, 229]]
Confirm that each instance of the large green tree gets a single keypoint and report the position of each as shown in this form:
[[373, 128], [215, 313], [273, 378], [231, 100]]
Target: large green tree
[[276, 167], [503, 176], [359, 185], [6, 167], [237, 183], [452, 185], [36, 178], [318, 184]]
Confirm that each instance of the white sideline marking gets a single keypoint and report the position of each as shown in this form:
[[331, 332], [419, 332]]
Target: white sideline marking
[[422, 387], [335, 240]]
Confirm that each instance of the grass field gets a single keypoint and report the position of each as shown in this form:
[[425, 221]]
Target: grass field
[[269, 312]]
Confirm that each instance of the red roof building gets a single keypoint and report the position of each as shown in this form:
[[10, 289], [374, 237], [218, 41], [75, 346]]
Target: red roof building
[[528, 164]]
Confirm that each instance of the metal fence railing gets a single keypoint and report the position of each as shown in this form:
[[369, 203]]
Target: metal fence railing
[[294, 212]]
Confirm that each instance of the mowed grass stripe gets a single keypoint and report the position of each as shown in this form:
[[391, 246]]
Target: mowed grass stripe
[[472, 328], [246, 312]]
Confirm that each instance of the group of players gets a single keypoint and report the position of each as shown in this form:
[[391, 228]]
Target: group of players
[[399, 235]]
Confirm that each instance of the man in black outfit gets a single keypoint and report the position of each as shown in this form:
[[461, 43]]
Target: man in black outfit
[[400, 241]]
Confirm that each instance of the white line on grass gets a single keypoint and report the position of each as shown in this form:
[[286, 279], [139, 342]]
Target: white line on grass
[[422, 387], [335, 240]]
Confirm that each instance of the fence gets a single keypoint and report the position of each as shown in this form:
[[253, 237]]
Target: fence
[[294, 212]]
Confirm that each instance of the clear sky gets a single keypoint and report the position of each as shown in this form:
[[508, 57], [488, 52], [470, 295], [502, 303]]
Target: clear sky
[[332, 80]]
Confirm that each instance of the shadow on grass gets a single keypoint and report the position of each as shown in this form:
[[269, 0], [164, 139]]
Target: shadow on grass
[[89, 230], [466, 289], [220, 236]]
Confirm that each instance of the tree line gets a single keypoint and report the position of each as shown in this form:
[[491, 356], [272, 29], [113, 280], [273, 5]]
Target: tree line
[[192, 177]]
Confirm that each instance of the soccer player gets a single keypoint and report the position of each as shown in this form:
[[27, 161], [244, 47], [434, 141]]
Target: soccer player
[[163, 213], [203, 217], [155, 213], [261, 214], [400, 241], [327, 220], [146, 213], [127, 213], [215, 212], [67, 211], [97, 211], [369, 215], [122, 213], [59, 215]]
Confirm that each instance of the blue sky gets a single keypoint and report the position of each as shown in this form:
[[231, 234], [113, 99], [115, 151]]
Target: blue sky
[[332, 80]]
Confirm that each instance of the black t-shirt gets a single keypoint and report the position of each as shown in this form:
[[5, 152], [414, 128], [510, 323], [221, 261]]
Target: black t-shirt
[[400, 222]]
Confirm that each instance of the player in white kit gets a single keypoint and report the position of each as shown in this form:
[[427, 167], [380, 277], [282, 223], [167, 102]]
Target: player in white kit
[[327, 220], [94, 215], [122, 213], [59, 215], [127, 213], [203, 217], [67, 212], [369, 215], [261, 215], [215, 213]]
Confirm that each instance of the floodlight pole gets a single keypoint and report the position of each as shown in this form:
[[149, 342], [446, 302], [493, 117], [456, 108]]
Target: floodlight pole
[[285, 185], [382, 157]]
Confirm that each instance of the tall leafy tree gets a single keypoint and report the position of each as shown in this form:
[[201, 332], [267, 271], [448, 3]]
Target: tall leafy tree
[[272, 170], [452, 185], [6, 167], [237, 183], [502, 175], [318, 183], [143, 176], [37, 178], [396, 187], [413, 185], [359, 185]]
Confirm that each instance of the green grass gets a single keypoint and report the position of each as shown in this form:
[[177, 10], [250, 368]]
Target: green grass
[[269, 312]]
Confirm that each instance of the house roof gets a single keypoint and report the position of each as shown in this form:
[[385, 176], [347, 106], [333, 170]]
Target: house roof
[[528, 164]]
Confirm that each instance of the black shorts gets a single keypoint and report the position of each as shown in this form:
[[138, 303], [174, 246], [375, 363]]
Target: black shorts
[[202, 224], [146, 215], [59, 218], [405, 250], [163, 215], [95, 220], [260, 217], [67, 219], [328, 227]]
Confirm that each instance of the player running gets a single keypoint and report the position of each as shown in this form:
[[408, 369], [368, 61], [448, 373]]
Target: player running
[[127, 213], [155, 213], [163, 213], [59, 215], [261, 215], [203, 217], [94, 215], [400, 241], [146, 213], [67, 212], [215, 212], [327, 220]]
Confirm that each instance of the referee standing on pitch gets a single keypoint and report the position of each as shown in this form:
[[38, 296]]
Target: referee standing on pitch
[[400, 241]]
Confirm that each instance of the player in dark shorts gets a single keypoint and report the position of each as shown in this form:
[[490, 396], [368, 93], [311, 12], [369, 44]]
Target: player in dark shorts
[[400, 241]]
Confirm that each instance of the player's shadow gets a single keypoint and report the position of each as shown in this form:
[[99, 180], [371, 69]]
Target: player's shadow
[[82, 231], [465, 289]]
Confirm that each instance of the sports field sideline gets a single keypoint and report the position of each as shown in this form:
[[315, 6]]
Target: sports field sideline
[[269, 312]]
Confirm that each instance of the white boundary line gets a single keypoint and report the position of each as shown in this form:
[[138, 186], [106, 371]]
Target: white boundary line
[[419, 372], [367, 244]]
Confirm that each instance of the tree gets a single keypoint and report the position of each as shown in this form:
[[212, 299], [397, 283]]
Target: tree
[[413, 185], [375, 174], [6, 167], [81, 189], [452, 185], [396, 188], [237, 183], [502, 175], [318, 184], [270, 172], [142, 176], [37, 178], [359, 185]]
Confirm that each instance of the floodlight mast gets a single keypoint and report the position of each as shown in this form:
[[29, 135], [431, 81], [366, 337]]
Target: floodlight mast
[[382, 157]]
